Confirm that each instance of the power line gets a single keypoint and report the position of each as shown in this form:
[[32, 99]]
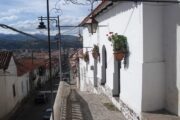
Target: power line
[[129, 20], [16, 30]]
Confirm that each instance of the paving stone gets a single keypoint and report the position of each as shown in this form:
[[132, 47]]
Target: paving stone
[[88, 106]]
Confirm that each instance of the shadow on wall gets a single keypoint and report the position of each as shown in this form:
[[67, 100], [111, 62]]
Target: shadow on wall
[[126, 58], [172, 56], [78, 107]]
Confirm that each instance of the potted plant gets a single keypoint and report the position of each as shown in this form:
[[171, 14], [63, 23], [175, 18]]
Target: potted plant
[[119, 43], [95, 52], [86, 57]]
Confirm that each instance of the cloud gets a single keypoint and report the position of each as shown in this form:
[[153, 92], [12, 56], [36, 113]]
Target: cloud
[[23, 14], [9, 18], [25, 26], [7, 31], [10, 12], [70, 20]]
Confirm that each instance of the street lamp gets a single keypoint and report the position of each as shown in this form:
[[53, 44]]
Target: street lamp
[[42, 26], [92, 25]]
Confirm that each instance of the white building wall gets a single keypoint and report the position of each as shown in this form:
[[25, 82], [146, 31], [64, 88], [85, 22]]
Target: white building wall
[[7, 79], [153, 92], [23, 86], [11, 100], [172, 57], [3, 95], [126, 19], [89, 41], [152, 79], [82, 79]]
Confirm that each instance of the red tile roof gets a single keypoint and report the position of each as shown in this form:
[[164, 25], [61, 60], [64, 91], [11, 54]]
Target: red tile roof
[[5, 57], [25, 65]]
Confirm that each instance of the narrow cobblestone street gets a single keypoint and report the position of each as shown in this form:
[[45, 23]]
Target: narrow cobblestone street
[[31, 111], [89, 106]]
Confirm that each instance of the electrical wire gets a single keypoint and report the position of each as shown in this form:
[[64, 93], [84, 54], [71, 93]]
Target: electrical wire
[[67, 31], [70, 30], [130, 17]]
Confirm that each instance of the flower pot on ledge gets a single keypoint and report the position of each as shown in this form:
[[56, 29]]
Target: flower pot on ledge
[[86, 57], [95, 55], [118, 55]]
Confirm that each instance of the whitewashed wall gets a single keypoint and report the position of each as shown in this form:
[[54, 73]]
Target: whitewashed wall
[[9, 78], [172, 56], [23, 86], [125, 19], [153, 90], [152, 80]]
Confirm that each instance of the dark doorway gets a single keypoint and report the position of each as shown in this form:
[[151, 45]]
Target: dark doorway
[[104, 65], [116, 78], [95, 72]]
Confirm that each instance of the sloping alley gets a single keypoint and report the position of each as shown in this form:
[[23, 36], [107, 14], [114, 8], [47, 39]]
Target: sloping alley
[[88, 106]]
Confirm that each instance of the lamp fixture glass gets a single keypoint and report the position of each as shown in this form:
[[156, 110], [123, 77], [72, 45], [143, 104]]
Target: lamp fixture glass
[[41, 25], [92, 25]]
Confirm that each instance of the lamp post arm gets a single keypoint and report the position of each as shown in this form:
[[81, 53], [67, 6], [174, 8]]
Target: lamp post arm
[[50, 18]]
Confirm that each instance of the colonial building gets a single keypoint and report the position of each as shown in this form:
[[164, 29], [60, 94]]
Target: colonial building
[[13, 87], [147, 80], [18, 77]]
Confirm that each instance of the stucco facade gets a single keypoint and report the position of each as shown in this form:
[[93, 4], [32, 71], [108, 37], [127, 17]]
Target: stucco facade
[[13, 88], [149, 82]]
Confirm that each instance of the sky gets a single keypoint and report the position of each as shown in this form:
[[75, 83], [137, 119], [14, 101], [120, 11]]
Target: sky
[[23, 15]]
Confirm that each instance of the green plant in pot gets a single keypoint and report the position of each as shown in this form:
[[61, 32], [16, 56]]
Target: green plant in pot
[[119, 43], [86, 57], [95, 52]]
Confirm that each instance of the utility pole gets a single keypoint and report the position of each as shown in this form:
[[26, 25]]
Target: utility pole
[[50, 67], [60, 53]]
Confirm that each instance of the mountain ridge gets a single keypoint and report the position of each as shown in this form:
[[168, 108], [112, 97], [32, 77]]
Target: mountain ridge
[[18, 41]]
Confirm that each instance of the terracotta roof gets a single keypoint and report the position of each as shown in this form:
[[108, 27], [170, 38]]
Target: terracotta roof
[[102, 6], [25, 65], [5, 57]]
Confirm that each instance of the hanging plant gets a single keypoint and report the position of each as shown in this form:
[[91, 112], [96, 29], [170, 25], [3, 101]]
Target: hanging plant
[[95, 52], [120, 47], [86, 57]]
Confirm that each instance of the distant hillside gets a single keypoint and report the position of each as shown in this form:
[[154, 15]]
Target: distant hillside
[[17, 41]]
